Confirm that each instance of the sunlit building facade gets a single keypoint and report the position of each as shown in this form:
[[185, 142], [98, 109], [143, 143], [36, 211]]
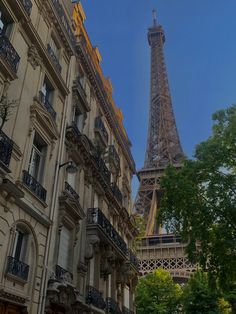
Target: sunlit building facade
[[66, 229]]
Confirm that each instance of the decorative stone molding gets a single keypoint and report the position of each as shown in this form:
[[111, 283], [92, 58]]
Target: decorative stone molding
[[33, 57], [92, 246]]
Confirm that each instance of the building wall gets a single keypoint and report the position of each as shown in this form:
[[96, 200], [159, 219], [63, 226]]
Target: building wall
[[65, 238]]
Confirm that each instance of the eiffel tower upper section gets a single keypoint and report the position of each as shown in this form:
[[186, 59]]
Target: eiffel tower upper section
[[163, 144]]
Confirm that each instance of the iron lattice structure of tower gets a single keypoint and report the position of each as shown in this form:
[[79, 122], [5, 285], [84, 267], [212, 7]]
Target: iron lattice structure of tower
[[158, 248]]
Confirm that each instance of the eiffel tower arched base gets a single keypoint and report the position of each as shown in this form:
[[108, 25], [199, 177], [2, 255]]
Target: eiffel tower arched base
[[166, 252]]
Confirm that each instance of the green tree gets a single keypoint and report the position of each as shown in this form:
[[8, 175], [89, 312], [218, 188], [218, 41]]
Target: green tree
[[156, 293], [198, 298], [199, 203]]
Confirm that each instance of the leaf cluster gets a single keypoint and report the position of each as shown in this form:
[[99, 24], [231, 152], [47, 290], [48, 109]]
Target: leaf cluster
[[199, 202]]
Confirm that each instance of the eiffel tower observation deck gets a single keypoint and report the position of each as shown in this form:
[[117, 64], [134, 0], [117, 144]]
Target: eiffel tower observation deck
[[159, 249]]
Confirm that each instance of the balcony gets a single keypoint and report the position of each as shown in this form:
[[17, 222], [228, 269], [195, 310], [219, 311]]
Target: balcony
[[69, 204], [113, 159], [63, 275], [27, 4], [101, 132], [64, 21], [17, 268], [117, 193], [80, 96], [47, 105], [54, 58], [6, 145], [95, 298], [96, 219], [125, 310], [112, 307], [71, 191], [8, 53], [34, 186], [105, 173]]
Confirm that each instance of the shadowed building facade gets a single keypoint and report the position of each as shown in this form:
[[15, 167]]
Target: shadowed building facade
[[66, 229], [159, 248]]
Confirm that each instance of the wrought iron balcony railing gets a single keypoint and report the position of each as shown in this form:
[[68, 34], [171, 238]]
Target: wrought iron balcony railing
[[79, 91], [54, 58], [71, 191], [96, 217], [112, 306], [133, 259], [17, 268], [6, 145], [100, 128], [117, 193], [95, 298], [63, 275], [47, 105], [103, 169], [60, 11], [8, 52], [27, 5], [34, 186], [113, 156]]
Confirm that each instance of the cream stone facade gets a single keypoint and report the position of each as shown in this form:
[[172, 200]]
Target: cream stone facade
[[66, 229]]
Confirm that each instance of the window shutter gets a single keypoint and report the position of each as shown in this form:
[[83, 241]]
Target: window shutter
[[64, 248]]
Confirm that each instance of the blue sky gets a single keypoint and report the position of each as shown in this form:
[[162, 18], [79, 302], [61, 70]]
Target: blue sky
[[200, 53]]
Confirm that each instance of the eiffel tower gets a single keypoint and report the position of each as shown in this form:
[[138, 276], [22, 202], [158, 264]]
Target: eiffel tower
[[159, 249]]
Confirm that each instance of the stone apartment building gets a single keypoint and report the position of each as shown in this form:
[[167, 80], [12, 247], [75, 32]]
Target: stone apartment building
[[66, 229]]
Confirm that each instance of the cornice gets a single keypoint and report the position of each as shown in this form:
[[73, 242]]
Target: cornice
[[106, 106]]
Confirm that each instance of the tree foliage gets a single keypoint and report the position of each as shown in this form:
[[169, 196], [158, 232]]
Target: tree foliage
[[156, 293], [198, 298], [199, 203]]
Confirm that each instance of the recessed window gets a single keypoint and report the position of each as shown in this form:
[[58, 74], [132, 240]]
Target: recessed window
[[79, 119], [20, 244], [37, 158], [54, 48], [64, 256], [47, 91], [5, 23]]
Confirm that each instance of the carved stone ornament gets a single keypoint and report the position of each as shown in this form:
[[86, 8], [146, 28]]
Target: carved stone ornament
[[92, 246], [33, 57]]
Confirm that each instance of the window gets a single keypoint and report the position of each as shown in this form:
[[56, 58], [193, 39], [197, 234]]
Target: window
[[54, 48], [64, 256], [37, 158], [79, 119], [47, 91], [20, 244], [5, 23]]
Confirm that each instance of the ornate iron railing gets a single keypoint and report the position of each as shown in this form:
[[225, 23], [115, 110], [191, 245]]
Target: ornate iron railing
[[47, 105], [71, 191], [96, 216], [95, 298], [8, 52], [103, 169], [112, 306], [27, 5], [113, 155], [34, 185], [6, 145], [125, 310], [54, 58], [61, 13], [117, 193], [100, 127], [63, 274], [133, 259], [17, 268]]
